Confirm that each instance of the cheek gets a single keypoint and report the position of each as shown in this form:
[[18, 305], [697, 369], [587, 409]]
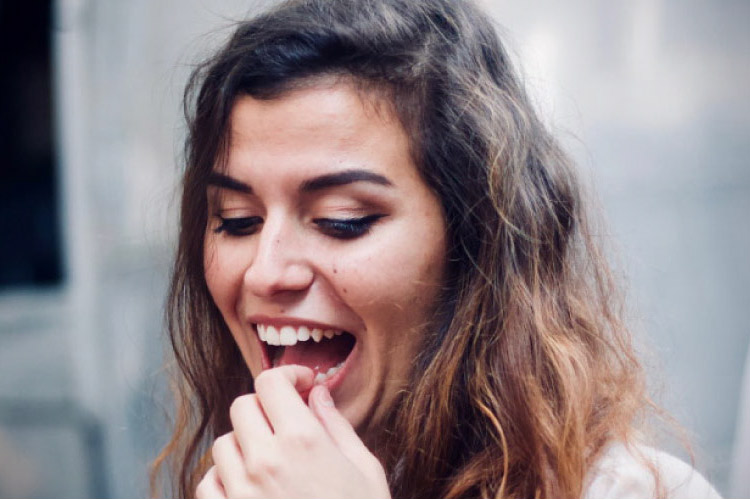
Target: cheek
[[395, 283], [224, 273], [211, 269]]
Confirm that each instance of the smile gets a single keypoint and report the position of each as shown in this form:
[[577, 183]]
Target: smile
[[323, 350]]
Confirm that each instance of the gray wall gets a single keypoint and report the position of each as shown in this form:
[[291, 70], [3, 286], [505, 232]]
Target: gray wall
[[650, 96]]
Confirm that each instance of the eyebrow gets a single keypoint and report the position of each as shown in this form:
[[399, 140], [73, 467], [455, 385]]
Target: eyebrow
[[315, 184], [343, 178], [224, 181]]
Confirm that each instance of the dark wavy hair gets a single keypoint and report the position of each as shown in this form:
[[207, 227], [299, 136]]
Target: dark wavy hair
[[529, 371]]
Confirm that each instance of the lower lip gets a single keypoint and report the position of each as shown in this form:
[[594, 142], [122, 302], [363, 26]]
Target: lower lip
[[332, 382]]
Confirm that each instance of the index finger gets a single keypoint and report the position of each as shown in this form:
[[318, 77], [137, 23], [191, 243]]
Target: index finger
[[280, 390]]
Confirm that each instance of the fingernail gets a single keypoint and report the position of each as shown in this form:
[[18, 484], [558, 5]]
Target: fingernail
[[325, 397]]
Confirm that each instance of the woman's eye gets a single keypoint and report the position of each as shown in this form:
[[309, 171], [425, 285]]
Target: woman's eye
[[238, 226], [346, 229]]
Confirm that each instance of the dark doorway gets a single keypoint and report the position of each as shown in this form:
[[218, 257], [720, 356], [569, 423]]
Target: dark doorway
[[29, 220]]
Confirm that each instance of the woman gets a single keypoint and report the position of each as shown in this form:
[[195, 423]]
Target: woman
[[385, 282]]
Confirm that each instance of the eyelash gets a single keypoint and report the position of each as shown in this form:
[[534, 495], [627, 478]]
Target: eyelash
[[342, 229], [238, 226], [347, 229]]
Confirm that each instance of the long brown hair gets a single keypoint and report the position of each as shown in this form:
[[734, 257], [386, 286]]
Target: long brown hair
[[528, 371]]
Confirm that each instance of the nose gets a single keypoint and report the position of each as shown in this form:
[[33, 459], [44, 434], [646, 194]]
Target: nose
[[280, 262]]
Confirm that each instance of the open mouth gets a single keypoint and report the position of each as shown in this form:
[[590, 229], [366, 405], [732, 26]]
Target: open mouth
[[325, 351]]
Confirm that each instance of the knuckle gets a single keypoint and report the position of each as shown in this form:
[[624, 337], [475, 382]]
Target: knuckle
[[300, 438], [241, 405], [376, 469], [262, 468], [264, 380], [203, 489], [221, 443], [371, 466]]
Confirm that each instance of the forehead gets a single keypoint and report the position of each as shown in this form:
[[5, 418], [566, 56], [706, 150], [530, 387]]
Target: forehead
[[336, 110], [320, 126]]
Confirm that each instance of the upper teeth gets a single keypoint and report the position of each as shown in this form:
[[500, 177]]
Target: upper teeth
[[290, 335]]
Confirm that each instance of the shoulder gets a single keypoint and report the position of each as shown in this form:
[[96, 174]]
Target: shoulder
[[638, 471]]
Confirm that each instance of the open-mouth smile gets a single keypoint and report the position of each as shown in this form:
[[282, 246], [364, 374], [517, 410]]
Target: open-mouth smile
[[326, 351]]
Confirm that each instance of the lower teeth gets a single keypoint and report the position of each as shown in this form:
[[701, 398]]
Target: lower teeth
[[322, 377]]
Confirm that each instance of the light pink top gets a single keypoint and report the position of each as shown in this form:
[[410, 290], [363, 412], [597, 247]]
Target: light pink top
[[622, 473]]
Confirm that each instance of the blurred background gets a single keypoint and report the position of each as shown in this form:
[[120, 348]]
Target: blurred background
[[651, 97]]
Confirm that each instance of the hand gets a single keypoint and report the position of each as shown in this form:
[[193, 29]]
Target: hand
[[281, 447]]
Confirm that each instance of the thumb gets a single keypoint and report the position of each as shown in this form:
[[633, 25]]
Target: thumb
[[341, 431]]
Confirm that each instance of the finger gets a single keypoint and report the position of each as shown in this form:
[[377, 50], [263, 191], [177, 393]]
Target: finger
[[279, 390], [210, 486], [252, 430], [229, 464], [338, 427]]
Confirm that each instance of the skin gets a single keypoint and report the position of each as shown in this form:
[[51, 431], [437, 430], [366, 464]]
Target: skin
[[380, 285], [282, 448]]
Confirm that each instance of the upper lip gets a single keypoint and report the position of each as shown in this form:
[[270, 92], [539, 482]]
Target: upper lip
[[288, 321]]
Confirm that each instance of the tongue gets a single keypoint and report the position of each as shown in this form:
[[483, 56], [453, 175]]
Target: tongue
[[319, 356]]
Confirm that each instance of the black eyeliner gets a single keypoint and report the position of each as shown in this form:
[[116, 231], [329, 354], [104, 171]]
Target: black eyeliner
[[348, 228], [237, 226]]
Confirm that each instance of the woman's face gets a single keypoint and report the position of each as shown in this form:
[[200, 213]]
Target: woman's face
[[321, 226]]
